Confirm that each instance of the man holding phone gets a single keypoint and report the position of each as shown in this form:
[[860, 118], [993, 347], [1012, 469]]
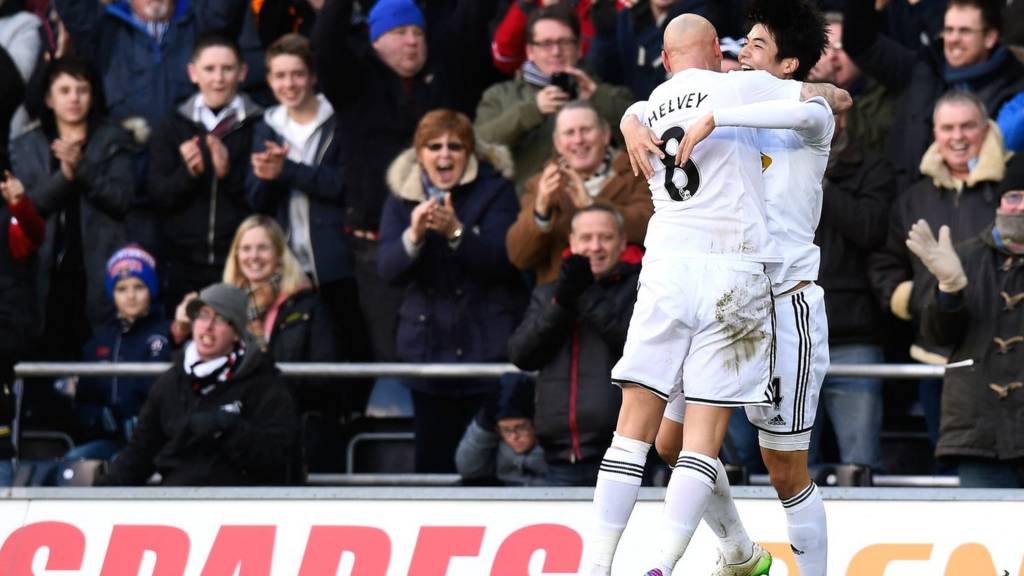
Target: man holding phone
[[519, 113]]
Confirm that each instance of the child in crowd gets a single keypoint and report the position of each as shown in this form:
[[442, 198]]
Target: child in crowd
[[106, 408]]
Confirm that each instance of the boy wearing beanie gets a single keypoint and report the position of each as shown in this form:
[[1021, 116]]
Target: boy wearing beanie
[[106, 408]]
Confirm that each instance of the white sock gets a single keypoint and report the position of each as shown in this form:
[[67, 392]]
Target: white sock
[[618, 483], [808, 531], [723, 519], [689, 488]]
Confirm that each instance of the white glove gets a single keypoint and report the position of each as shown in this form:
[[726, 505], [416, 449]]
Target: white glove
[[938, 256]]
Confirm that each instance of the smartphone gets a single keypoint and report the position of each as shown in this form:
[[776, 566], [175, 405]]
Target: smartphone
[[567, 82]]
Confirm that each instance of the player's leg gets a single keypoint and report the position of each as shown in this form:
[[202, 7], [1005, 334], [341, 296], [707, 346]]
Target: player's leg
[[621, 473], [728, 365], [654, 332], [785, 426], [720, 514]]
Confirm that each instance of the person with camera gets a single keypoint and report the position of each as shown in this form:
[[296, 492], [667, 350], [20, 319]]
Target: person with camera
[[586, 170], [572, 335], [520, 113]]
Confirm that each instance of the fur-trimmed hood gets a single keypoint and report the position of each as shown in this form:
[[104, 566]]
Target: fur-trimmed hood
[[991, 163], [404, 176]]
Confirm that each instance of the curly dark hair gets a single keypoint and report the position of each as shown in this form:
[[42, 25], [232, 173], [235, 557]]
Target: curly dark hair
[[798, 28]]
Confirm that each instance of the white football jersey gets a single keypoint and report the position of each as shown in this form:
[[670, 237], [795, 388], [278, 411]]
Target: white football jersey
[[715, 204], [796, 161]]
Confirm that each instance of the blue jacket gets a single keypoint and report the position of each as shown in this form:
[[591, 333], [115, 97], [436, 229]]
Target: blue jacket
[[323, 183], [103, 404], [143, 77], [460, 305]]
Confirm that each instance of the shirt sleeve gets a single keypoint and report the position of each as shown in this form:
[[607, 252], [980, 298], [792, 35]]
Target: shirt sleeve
[[812, 119], [759, 86], [637, 110]]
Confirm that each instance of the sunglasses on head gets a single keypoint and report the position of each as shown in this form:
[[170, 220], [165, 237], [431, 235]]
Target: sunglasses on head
[[452, 146]]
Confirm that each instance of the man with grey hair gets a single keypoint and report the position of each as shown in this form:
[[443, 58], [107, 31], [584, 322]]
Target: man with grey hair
[[572, 335], [586, 171], [961, 170], [220, 415]]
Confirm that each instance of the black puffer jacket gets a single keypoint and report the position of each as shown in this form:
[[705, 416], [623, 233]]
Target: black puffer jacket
[[255, 450], [858, 189], [983, 404], [900, 280], [574, 350], [199, 215], [102, 188]]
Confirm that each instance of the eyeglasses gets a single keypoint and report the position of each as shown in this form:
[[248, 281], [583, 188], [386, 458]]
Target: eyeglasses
[[950, 31], [563, 43], [451, 146], [1013, 197], [517, 430], [207, 316]]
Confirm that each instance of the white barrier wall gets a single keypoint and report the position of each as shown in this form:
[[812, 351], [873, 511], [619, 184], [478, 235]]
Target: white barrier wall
[[328, 533]]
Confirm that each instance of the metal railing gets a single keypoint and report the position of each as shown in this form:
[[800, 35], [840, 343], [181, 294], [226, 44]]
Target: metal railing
[[398, 370]]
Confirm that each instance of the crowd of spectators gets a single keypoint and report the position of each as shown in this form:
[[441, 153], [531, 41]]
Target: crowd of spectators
[[229, 184]]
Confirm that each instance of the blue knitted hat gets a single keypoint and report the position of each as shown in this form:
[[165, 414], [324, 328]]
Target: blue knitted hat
[[130, 261], [389, 14]]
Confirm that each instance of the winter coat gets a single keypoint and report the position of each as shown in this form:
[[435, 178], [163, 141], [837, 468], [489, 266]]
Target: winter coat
[[508, 115], [858, 191], [919, 78], [21, 44], [577, 406], [257, 449], [141, 76], [535, 250], [378, 110], [323, 185], [103, 404], [459, 305], [627, 44], [102, 187], [983, 404], [482, 455], [304, 331], [901, 282], [200, 214]]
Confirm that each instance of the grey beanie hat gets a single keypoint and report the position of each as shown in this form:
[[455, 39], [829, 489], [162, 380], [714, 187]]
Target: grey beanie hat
[[230, 302]]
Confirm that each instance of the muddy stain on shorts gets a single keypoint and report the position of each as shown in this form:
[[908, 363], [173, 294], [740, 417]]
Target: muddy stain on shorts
[[742, 322]]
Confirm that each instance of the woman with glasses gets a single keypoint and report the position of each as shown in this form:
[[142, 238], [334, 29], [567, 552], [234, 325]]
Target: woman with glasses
[[443, 241]]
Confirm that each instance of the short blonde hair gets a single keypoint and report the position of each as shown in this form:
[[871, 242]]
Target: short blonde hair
[[292, 276]]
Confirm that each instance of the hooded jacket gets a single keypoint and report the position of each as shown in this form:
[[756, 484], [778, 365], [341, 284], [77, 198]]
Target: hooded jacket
[[982, 404], [323, 184], [540, 251], [574, 350], [459, 305], [142, 76], [102, 188], [901, 282], [255, 450], [200, 214]]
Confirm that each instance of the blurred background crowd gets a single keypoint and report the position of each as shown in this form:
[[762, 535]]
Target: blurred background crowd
[[227, 184]]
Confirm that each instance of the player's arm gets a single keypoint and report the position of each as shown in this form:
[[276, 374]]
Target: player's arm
[[640, 140], [812, 119], [838, 99]]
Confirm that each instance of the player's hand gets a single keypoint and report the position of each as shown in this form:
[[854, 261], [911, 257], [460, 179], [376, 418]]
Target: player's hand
[[585, 85], [695, 134], [12, 189], [640, 142], [938, 256], [550, 99], [219, 155], [192, 156], [547, 187]]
